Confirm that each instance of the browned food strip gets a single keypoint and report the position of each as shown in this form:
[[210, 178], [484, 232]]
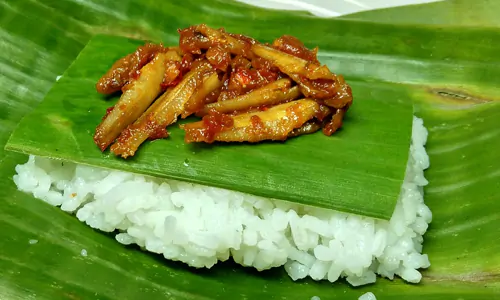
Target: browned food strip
[[244, 90], [266, 68], [336, 122], [314, 80], [173, 53], [236, 46], [276, 123], [196, 38], [307, 128], [240, 62], [343, 97], [243, 80], [271, 94], [126, 68], [192, 41], [219, 57], [161, 132], [292, 65], [214, 95], [293, 46], [173, 69], [170, 106], [210, 84], [334, 93], [242, 37], [136, 98]]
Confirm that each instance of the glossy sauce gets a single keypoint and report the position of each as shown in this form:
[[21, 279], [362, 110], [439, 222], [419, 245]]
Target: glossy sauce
[[108, 111], [318, 88], [192, 41], [336, 122], [158, 133], [236, 68], [323, 112], [295, 47], [214, 123], [256, 122], [172, 74], [218, 57], [127, 68]]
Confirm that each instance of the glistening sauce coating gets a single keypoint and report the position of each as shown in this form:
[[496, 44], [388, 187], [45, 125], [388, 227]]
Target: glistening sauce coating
[[245, 91]]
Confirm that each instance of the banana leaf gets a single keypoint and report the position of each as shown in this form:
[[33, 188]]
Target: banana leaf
[[342, 172], [449, 12], [450, 73]]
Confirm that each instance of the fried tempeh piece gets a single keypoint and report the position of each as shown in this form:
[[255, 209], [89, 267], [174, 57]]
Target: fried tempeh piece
[[343, 97], [292, 65], [196, 102], [124, 69], [170, 105], [292, 45], [243, 80], [244, 90], [276, 123], [217, 37], [315, 81], [173, 72], [218, 57], [174, 53], [335, 123], [274, 93], [201, 37], [136, 98], [307, 128]]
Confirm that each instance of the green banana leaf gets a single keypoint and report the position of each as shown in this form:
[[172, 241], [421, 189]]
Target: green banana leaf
[[449, 12], [450, 71], [342, 172]]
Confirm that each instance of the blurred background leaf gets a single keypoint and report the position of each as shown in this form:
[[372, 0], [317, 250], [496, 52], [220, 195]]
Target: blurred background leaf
[[480, 13]]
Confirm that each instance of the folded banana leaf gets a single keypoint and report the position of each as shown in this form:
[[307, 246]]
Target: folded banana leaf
[[449, 72]]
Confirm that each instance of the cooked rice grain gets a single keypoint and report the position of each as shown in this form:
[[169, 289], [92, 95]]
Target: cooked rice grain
[[201, 225]]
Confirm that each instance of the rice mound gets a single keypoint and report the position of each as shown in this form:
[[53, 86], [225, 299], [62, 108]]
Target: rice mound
[[201, 225]]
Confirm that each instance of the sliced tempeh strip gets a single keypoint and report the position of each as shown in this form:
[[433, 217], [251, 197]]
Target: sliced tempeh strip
[[307, 128], [163, 113], [136, 98], [335, 123], [124, 69], [315, 81], [196, 102], [216, 37], [276, 123], [274, 93], [292, 65]]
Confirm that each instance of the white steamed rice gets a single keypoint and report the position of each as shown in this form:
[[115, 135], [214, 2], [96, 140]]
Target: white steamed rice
[[202, 225], [367, 296]]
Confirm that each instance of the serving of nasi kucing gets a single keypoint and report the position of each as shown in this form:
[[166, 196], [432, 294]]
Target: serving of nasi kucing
[[242, 91]]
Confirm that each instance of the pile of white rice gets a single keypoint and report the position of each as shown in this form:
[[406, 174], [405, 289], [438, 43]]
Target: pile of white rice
[[202, 225]]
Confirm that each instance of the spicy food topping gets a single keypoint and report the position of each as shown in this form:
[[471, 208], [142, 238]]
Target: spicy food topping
[[245, 91]]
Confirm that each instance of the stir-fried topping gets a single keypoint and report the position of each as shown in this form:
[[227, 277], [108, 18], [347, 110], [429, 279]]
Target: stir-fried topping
[[275, 123], [245, 91]]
